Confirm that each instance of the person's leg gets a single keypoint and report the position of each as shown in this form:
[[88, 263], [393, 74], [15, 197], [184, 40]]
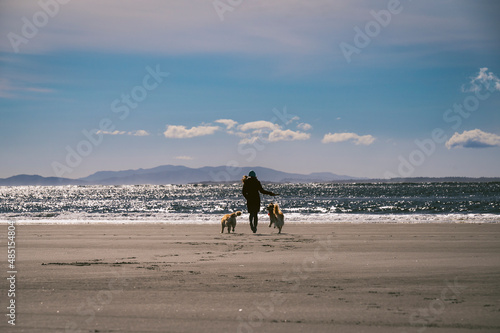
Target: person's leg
[[250, 218], [253, 210], [255, 222]]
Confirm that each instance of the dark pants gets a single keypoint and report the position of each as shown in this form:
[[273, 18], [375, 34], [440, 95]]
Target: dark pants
[[253, 210], [254, 220]]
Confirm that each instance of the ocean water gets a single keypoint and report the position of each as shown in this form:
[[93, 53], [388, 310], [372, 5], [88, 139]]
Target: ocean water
[[206, 203]]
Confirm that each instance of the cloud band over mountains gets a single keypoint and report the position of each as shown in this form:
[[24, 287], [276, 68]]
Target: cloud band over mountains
[[264, 131], [248, 132]]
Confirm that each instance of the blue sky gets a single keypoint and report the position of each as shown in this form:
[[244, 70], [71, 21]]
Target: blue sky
[[292, 85]]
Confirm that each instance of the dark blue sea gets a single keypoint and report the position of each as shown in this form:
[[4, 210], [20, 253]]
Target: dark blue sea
[[206, 203]]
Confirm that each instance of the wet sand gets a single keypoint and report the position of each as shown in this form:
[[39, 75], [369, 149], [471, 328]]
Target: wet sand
[[311, 278]]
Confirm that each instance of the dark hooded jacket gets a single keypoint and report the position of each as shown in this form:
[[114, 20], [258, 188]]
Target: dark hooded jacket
[[251, 189]]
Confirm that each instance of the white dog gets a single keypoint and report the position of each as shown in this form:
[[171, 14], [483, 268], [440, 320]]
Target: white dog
[[229, 221], [276, 216]]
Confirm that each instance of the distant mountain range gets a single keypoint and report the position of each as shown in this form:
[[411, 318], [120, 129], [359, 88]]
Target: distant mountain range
[[176, 174]]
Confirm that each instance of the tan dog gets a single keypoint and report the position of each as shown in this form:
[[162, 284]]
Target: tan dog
[[229, 221], [276, 216]]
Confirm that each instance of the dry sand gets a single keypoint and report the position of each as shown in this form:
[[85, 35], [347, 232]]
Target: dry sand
[[311, 278]]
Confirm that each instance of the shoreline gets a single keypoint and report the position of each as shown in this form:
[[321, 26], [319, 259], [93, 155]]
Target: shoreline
[[290, 219], [427, 277]]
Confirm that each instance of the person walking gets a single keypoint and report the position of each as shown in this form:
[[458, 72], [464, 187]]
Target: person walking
[[251, 189]]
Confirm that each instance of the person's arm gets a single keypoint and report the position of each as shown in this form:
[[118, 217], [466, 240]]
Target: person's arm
[[261, 190]]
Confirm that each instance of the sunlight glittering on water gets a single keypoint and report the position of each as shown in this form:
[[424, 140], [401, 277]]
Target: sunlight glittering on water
[[204, 203]]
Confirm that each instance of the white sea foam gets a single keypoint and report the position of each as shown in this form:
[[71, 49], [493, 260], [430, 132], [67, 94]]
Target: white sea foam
[[292, 218]]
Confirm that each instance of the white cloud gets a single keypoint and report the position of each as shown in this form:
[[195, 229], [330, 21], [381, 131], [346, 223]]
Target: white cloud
[[249, 140], [287, 135], [473, 139], [304, 126], [267, 131], [295, 118], [111, 133], [139, 133], [258, 125], [341, 137], [185, 158], [249, 133], [181, 132], [228, 122], [272, 136], [134, 133], [483, 79]]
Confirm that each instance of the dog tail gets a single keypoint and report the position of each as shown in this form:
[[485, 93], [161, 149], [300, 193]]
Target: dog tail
[[277, 210]]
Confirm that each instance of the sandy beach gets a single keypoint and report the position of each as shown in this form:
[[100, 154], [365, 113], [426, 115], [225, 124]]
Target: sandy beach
[[311, 278]]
